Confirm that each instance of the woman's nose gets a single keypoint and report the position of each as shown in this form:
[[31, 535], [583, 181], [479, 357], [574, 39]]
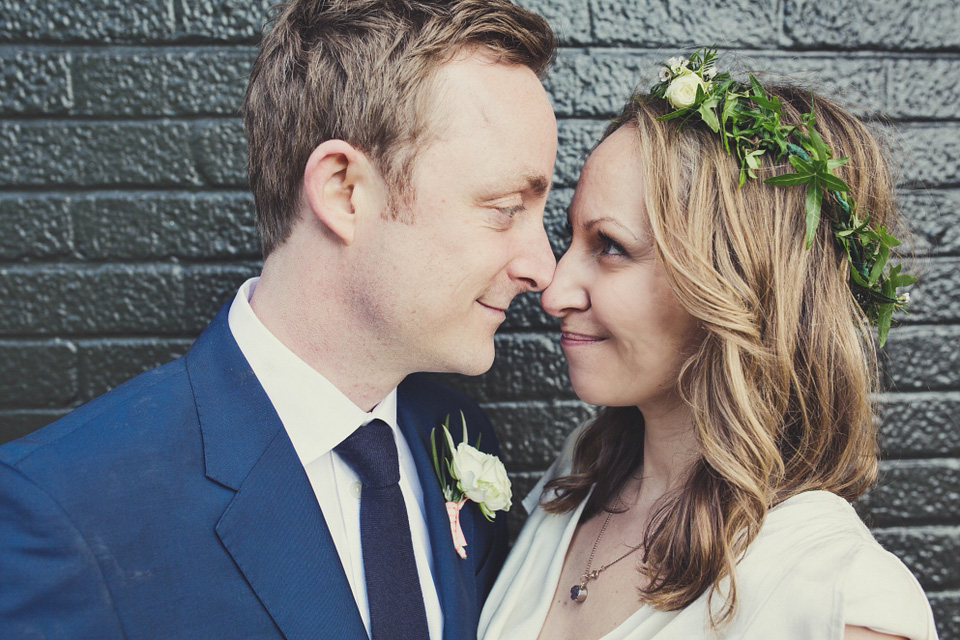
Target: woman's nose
[[566, 292]]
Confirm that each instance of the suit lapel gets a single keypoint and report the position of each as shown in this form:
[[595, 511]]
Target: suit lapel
[[452, 575], [277, 536], [273, 529]]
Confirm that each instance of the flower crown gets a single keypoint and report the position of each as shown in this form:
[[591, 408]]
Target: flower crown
[[748, 122]]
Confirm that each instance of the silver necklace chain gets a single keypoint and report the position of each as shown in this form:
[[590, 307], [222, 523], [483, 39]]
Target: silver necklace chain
[[578, 592]]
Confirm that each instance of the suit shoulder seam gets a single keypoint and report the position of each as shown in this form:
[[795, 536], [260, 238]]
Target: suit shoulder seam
[[43, 445], [73, 525]]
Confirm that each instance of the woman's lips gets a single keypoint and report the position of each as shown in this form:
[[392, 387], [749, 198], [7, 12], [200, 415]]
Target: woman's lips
[[572, 339]]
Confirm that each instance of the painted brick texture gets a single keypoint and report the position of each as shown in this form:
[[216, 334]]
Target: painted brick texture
[[125, 221]]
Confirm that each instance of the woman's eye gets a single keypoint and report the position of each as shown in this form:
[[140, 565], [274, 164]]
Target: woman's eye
[[609, 247]]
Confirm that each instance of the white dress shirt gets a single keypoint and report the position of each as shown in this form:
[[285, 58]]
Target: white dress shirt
[[318, 417]]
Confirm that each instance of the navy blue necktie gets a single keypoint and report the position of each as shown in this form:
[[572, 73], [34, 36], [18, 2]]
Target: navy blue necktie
[[393, 584]]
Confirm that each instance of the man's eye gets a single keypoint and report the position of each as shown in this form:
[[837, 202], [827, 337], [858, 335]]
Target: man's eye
[[511, 211]]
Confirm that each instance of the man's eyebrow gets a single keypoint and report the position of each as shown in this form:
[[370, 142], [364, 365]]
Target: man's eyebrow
[[535, 183], [538, 184]]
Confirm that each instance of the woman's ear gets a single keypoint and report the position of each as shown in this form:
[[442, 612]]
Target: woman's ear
[[338, 183]]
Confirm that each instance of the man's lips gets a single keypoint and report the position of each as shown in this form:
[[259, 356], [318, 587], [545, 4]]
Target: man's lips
[[492, 307], [573, 339]]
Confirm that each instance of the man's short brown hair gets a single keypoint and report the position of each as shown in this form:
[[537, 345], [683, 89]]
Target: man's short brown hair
[[360, 71]]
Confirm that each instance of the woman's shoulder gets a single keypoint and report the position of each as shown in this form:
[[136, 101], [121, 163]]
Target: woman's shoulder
[[881, 593], [826, 557]]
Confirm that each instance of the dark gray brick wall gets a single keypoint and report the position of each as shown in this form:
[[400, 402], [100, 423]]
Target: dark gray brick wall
[[125, 221]]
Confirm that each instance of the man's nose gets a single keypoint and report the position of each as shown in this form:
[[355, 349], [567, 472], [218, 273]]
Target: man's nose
[[535, 264]]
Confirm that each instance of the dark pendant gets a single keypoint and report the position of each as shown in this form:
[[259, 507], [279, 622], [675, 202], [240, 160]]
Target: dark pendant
[[578, 592]]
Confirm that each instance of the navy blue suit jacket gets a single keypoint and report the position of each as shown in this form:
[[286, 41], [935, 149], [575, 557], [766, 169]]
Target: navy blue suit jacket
[[175, 507]]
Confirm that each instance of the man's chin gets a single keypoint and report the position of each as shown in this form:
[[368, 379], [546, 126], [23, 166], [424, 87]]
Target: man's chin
[[475, 364]]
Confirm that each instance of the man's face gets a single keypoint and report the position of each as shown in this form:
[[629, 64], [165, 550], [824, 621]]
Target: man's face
[[435, 286]]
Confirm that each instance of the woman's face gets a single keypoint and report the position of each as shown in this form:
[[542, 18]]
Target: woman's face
[[624, 331]]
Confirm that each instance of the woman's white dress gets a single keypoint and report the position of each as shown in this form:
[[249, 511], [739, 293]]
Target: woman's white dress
[[813, 568]]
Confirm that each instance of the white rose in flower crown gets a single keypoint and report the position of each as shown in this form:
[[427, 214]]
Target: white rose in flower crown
[[682, 92], [482, 478]]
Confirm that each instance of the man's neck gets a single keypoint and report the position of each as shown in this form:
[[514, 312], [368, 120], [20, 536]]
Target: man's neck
[[310, 326]]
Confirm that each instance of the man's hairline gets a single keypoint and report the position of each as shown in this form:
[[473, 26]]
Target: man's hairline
[[405, 197]]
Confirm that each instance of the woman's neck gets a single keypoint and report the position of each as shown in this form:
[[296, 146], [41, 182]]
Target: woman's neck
[[669, 448]]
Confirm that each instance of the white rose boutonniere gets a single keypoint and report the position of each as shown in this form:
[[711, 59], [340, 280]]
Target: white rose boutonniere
[[682, 91], [482, 478], [466, 473]]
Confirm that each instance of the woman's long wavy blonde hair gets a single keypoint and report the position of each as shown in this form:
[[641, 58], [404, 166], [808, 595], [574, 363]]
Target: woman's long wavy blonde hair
[[779, 386]]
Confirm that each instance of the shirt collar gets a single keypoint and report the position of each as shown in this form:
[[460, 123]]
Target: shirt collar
[[316, 415]]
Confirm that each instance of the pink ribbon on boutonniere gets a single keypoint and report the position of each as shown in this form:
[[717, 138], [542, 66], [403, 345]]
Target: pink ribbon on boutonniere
[[466, 473], [459, 541]]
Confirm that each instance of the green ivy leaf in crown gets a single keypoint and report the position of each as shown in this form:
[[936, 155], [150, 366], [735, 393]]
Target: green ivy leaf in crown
[[748, 122]]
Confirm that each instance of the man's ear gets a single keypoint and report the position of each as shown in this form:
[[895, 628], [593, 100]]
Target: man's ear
[[336, 182]]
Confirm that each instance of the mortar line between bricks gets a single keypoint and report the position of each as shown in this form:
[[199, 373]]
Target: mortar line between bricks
[[891, 464], [936, 528], [784, 51], [241, 261], [893, 459], [31, 410], [145, 119], [140, 336], [774, 53], [57, 190], [917, 395], [38, 47], [87, 340], [191, 42], [136, 189], [903, 522], [928, 257], [511, 404], [933, 258]]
